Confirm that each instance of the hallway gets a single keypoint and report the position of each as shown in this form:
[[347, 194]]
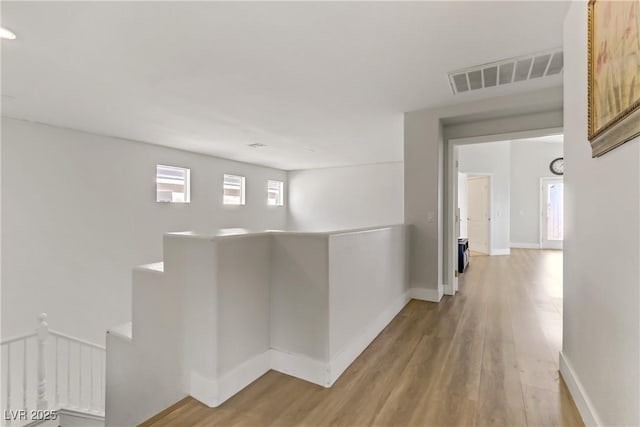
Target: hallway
[[488, 356]]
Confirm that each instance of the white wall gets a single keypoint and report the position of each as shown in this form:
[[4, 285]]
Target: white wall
[[243, 298], [601, 332], [356, 273], [300, 295], [492, 158], [346, 197], [79, 212], [529, 162]]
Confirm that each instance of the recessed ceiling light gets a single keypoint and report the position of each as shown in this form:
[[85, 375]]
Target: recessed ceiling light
[[6, 34]]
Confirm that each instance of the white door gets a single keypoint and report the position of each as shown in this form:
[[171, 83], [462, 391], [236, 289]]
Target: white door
[[478, 216], [552, 213], [463, 200]]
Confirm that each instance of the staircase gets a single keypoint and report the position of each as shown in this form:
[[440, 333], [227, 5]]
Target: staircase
[[52, 379]]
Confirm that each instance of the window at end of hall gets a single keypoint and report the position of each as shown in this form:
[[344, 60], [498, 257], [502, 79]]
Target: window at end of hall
[[233, 190], [275, 193], [172, 184]]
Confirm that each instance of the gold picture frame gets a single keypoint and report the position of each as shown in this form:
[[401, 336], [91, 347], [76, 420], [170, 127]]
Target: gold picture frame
[[614, 73]]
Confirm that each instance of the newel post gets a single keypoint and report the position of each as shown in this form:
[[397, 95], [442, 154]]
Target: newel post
[[43, 333]]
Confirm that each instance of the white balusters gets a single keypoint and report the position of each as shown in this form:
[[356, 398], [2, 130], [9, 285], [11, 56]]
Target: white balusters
[[79, 377], [9, 376], [103, 366], [43, 333], [56, 399], [68, 372], [24, 375], [91, 378]]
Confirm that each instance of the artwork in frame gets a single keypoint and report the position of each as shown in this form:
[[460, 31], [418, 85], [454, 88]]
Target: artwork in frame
[[614, 73]]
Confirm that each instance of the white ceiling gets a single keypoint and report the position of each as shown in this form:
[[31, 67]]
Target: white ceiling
[[321, 84]]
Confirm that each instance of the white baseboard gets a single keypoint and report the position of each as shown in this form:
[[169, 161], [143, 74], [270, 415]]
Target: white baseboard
[[81, 414], [346, 357], [424, 294], [214, 392], [325, 374], [203, 389], [72, 417], [585, 407], [243, 375], [506, 251], [48, 423], [300, 366], [525, 245]]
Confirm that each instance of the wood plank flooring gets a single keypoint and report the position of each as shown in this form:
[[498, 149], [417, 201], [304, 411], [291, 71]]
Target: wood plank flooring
[[486, 357]]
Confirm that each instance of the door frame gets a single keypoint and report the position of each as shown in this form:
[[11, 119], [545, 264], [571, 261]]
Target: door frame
[[450, 172], [542, 227], [490, 202]]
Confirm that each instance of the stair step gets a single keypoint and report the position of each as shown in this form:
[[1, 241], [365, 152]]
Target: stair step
[[155, 266]]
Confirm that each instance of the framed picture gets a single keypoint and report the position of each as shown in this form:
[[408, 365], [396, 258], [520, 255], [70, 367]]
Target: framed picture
[[614, 73]]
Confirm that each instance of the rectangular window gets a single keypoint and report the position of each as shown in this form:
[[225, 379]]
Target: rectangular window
[[172, 184], [275, 193], [233, 190]]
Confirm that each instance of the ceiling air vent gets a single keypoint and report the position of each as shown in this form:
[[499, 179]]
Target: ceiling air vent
[[507, 71]]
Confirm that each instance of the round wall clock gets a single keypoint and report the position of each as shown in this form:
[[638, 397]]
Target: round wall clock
[[557, 166]]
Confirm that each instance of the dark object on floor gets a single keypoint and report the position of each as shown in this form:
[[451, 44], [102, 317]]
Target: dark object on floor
[[463, 255]]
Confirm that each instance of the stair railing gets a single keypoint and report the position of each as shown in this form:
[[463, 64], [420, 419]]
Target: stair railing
[[78, 368]]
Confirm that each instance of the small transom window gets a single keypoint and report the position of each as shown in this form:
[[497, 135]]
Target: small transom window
[[275, 193], [172, 184], [233, 190]]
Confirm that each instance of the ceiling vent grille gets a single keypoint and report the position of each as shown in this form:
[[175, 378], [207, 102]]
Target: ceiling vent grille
[[507, 71]]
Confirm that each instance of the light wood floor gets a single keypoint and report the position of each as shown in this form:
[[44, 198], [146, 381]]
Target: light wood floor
[[486, 357], [474, 253]]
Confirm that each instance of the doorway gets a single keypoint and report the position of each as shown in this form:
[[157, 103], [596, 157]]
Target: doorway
[[452, 214], [551, 213], [479, 214]]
